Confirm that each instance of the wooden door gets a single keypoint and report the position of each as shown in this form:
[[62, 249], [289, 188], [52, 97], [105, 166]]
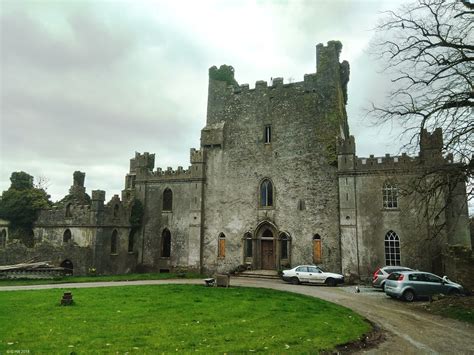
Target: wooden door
[[317, 251], [268, 260]]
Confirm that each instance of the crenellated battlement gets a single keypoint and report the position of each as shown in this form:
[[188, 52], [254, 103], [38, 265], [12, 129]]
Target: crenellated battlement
[[196, 156], [145, 161]]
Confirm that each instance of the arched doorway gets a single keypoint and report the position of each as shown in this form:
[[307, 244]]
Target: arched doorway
[[68, 266], [267, 250]]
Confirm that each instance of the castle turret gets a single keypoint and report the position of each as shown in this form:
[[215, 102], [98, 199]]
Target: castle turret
[[219, 79], [431, 146]]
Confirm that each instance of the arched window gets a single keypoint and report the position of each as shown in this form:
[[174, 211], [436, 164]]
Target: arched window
[[113, 242], [67, 236], [68, 210], [221, 246], [116, 210], [248, 247], [266, 193], [166, 243], [392, 248], [3, 238], [131, 241], [284, 240], [317, 249], [390, 195], [167, 200]]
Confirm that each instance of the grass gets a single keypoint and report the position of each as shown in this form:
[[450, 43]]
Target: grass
[[460, 308], [74, 279], [173, 318]]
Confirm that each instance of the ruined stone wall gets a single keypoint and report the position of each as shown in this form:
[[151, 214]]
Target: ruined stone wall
[[305, 119]]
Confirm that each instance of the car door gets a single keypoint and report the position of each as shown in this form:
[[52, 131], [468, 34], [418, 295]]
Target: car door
[[434, 285], [314, 274], [302, 273], [417, 281]]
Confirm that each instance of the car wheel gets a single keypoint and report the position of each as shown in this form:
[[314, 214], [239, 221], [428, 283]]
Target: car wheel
[[295, 281], [409, 296], [330, 282], [454, 292]]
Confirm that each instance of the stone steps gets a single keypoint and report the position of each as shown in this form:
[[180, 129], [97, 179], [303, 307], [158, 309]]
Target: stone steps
[[259, 274]]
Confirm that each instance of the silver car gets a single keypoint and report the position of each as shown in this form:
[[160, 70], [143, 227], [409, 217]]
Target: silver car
[[381, 274], [409, 285]]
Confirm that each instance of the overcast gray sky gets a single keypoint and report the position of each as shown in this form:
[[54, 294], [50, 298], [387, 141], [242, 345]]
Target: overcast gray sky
[[85, 84]]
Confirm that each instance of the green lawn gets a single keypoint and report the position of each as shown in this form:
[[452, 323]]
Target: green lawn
[[74, 279], [171, 318]]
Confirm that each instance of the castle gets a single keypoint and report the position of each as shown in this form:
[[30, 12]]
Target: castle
[[275, 183]]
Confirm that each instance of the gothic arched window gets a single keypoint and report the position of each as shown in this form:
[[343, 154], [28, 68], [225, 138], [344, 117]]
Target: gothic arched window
[[167, 200], [67, 236], [166, 243], [266, 193], [285, 241], [392, 248], [114, 242], [390, 195]]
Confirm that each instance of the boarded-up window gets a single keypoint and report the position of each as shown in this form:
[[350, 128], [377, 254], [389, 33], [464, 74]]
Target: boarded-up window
[[166, 243], [167, 200], [67, 236], [114, 242], [221, 246], [317, 249]]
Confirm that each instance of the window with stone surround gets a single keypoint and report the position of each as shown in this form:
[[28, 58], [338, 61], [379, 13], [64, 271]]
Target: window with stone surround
[[285, 241], [266, 193], [116, 210], [267, 134], [390, 196], [166, 243], [317, 249], [248, 247], [131, 241], [167, 200], [114, 242], [392, 248], [67, 236], [68, 210], [221, 246]]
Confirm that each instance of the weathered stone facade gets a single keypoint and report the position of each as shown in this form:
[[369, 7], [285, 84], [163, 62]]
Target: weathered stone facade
[[276, 182]]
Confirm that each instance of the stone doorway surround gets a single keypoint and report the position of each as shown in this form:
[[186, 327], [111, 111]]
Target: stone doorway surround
[[265, 247]]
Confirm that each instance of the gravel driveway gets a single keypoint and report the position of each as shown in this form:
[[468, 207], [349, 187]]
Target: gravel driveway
[[409, 330]]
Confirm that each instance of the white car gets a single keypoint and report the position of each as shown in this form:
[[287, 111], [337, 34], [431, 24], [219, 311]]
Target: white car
[[311, 274]]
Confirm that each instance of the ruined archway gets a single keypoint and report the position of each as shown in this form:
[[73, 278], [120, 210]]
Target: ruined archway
[[68, 267]]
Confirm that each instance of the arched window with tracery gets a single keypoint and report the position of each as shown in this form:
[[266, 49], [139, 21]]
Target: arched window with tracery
[[392, 248], [317, 249], [67, 236], [285, 242], [221, 246], [167, 200], [114, 242], [266, 193], [248, 247], [390, 195], [166, 243]]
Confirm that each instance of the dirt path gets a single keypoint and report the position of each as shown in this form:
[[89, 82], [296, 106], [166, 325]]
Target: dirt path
[[409, 329]]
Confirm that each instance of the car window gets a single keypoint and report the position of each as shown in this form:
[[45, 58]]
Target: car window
[[432, 278], [416, 277], [393, 276], [302, 269], [313, 269]]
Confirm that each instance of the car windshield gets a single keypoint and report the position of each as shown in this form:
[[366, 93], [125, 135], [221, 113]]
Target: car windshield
[[394, 276]]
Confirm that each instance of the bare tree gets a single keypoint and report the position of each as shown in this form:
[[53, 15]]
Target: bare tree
[[427, 48]]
